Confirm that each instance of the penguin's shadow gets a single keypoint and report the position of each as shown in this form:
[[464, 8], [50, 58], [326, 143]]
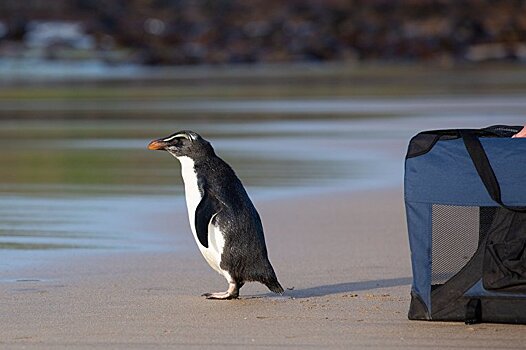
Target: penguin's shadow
[[348, 287]]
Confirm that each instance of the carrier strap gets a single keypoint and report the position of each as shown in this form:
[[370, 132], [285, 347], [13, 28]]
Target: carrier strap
[[473, 312], [484, 169]]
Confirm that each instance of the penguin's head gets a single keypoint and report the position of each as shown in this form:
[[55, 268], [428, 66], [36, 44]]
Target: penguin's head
[[183, 143]]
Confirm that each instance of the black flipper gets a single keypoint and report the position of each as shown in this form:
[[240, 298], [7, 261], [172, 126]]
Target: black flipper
[[207, 208]]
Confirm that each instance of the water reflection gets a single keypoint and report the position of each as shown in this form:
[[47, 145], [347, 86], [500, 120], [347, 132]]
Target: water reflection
[[85, 185], [68, 159], [88, 185]]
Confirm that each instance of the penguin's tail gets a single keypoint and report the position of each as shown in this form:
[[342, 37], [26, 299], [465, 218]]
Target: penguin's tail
[[274, 286]]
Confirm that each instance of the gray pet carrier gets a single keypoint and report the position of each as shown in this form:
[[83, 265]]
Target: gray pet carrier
[[465, 197]]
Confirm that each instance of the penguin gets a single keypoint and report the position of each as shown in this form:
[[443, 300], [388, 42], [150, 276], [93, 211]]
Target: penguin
[[225, 224]]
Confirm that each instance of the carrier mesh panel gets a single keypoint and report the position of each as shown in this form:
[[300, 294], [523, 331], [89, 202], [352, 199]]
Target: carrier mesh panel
[[455, 237]]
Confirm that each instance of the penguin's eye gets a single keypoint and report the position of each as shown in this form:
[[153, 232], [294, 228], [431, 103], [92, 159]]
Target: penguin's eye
[[176, 142]]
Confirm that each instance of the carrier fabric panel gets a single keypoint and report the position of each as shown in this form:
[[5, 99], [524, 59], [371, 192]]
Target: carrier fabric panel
[[445, 178], [419, 226], [446, 175]]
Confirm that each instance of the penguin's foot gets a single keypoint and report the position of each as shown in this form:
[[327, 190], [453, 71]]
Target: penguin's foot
[[231, 293], [220, 296]]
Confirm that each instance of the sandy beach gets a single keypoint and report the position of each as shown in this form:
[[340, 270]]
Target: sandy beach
[[343, 258], [96, 249]]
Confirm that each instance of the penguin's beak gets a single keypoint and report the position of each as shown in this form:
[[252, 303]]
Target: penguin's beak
[[157, 145]]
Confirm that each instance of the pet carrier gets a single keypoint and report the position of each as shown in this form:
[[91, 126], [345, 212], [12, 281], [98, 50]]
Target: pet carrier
[[465, 197]]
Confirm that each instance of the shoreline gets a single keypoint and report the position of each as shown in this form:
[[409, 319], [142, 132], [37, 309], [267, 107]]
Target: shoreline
[[343, 258], [166, 239]]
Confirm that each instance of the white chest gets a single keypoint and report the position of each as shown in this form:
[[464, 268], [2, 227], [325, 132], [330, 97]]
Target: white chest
[[191, 189], [216, 241]]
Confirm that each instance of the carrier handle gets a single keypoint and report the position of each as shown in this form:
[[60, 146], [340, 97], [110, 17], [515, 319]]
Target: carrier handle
[[484, 169]]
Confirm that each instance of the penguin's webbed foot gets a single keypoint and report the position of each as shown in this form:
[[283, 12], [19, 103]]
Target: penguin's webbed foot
[[231, 293], [220, 296]]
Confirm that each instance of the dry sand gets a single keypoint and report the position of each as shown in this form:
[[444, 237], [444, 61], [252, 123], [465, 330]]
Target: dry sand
[[345, 255]]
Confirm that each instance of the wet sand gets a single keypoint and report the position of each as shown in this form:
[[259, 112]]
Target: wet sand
[[344, 258]]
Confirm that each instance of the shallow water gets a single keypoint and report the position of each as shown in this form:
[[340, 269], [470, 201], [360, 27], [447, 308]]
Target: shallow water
[[87, 185]]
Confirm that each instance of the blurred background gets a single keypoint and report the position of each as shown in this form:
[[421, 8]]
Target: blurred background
[[193, 32], [299, 96]]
